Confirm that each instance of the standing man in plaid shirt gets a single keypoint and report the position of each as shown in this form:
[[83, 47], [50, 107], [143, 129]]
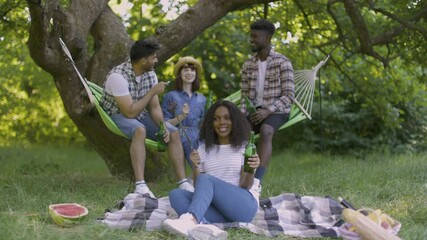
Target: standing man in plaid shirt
[[131, 100], [268, 82]]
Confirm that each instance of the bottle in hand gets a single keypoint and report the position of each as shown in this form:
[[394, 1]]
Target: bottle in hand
[[249, 106], [161, 144], [250, 151], [209, 101]]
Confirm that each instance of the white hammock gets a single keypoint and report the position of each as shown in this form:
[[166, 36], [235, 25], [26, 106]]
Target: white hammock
[[304, 87]]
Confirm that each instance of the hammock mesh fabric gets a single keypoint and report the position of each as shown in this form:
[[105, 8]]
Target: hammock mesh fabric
[[304, 87]]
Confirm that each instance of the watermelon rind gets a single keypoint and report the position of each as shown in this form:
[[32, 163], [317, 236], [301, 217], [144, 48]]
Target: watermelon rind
[[67, 220]]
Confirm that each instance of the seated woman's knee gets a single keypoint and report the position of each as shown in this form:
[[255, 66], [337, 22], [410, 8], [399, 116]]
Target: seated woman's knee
[[174, 193], [204, 177], [179, 194]]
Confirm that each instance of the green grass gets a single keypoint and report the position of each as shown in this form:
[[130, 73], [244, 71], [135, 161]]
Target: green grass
[[31, 178]]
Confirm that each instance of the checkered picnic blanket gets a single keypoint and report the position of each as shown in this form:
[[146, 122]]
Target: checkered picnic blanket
[[287, 213]]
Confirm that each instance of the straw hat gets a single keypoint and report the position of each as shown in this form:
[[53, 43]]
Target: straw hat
[[187, 60]]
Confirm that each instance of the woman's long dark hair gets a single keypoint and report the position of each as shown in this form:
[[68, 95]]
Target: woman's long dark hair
[[178, 80], [240, 126]]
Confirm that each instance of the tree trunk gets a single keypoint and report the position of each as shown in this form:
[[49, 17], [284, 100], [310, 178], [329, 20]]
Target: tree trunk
[[98, 41]]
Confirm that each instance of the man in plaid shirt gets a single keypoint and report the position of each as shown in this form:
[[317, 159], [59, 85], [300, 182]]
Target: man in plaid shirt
[[268, 83], [130, 89]]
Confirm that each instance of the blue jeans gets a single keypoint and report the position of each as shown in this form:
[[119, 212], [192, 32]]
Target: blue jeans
[[215, 201], [129, 125]]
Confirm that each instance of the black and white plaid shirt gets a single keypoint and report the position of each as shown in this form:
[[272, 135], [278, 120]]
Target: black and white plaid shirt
[[138, 87]]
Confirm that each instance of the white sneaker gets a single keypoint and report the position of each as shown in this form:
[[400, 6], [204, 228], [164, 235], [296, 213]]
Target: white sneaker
[[180, 226], [207, 232], [144, 190], [187, 186]]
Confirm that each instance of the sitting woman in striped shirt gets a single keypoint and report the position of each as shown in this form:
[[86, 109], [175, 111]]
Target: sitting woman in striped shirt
[[223, 191]]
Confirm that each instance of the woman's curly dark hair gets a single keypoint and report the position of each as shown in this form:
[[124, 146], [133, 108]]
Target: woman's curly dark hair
[[240, 126]]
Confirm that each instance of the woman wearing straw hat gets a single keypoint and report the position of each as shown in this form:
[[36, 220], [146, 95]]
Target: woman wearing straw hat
[[184, 107]]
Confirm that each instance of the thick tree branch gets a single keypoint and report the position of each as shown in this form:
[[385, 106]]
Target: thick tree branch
[[194, 21], [6, 8], [411, 23], [305, 15], [39, 30], [366, 41], [84, 14], [335, 19], [49, 21], [387, 37], [110, 47], [362, 31]]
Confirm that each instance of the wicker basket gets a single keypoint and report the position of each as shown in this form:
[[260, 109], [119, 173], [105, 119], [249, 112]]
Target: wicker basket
[[352, 235]]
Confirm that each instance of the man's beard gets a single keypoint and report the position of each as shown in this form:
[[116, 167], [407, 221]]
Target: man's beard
[[148, 68]]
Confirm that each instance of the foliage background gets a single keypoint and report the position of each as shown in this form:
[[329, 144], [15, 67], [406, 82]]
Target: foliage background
[[364, 105], [30, 107]]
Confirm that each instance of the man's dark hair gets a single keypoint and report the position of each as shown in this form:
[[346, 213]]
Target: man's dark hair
[[143, 48], [264, 25], [240, 126]]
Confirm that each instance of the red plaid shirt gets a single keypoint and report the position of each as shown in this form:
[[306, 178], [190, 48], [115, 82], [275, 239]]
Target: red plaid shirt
[[279, 87]]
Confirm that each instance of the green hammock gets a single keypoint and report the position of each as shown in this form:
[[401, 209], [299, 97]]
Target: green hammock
[[97, 92], [295, 116], [304, 89]]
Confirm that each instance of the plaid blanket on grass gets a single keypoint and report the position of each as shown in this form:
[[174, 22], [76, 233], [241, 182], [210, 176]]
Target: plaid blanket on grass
[[290, 214]]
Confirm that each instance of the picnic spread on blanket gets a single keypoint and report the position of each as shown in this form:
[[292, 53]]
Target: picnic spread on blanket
[[290, 214], [287, 213]]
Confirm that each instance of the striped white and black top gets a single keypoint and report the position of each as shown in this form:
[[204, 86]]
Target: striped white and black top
[[226, 164], [223, 162]]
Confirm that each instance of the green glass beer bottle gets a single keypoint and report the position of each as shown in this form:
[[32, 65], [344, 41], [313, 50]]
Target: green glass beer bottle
[[250, 150], [209, 101], [161, 144], [249, 107]]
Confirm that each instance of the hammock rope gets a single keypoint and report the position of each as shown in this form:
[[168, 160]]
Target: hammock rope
[[82, 79]]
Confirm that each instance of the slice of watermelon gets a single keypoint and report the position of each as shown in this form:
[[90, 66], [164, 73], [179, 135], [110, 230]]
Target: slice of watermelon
[[67, 214]]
